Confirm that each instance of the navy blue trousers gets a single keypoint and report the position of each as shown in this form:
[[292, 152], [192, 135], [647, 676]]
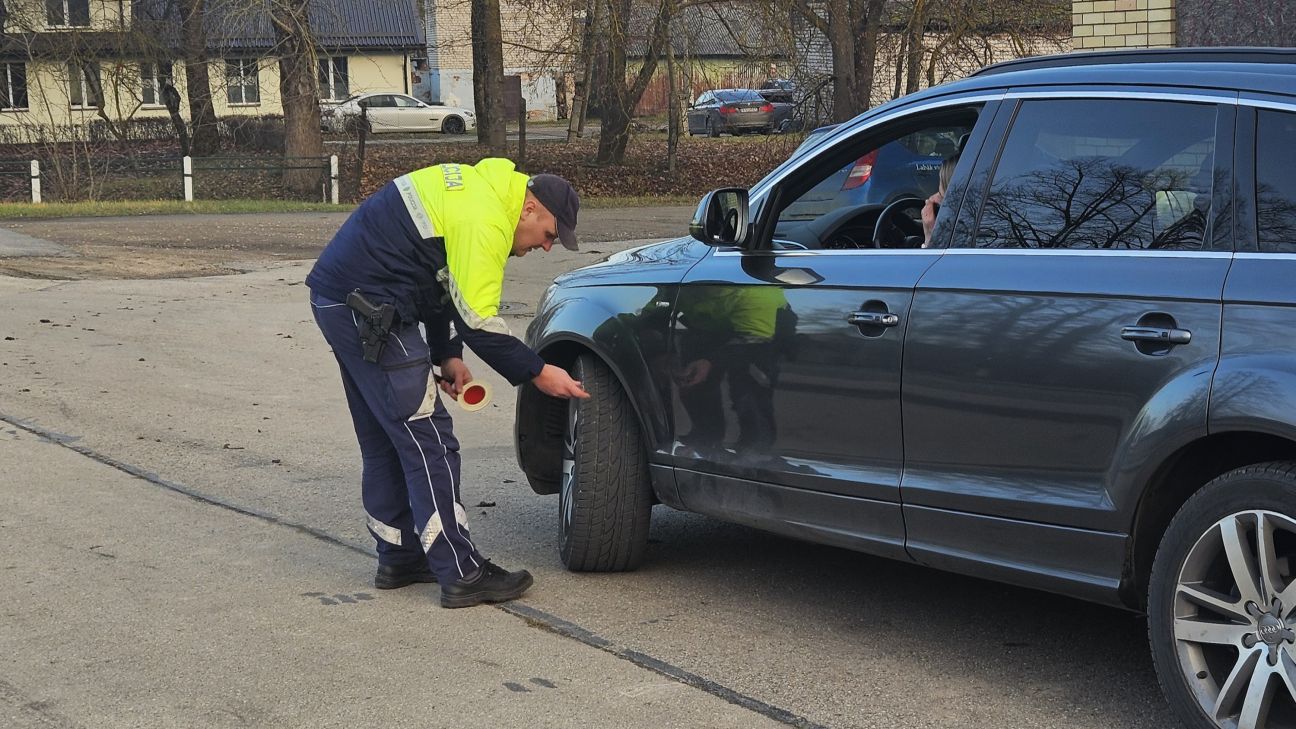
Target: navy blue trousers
[[410, 482]]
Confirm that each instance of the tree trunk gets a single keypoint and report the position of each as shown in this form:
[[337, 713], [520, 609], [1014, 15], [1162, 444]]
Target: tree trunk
[[913, 59], [488, 75], [205, 140], [620, 100], [672, 111], [869, 24], [841, 39], [299, 89], [614, 133]]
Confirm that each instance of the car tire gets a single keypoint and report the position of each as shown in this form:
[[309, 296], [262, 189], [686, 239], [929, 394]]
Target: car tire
[[452, 125], [605, 502], [1214, 620], [711, 130]]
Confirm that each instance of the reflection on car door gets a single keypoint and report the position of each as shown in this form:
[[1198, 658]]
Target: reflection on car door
[[784, 375], [1075, 320]]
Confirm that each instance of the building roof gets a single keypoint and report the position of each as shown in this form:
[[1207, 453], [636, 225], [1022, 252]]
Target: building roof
[[338, 25]]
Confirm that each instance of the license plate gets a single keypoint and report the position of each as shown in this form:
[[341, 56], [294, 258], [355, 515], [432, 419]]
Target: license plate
[[748, 111]]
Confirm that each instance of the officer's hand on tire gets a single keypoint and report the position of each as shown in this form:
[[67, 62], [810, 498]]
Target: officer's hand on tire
[[555, 382]]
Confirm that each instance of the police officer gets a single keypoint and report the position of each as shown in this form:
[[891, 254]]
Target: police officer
[[430, 247]]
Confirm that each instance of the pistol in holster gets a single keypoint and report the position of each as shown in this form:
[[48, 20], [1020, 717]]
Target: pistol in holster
[[375, 322]]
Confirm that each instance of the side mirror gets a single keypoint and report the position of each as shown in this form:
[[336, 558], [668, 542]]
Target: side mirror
[[722, 217]]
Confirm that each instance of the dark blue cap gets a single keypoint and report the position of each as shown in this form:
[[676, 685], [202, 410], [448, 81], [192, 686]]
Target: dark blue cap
[[559, 198]]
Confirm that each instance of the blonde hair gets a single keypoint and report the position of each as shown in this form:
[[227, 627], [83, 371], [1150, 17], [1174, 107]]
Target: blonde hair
[[947, 171]]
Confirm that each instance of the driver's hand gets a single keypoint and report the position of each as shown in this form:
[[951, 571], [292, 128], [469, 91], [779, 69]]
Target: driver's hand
[[929, 216]]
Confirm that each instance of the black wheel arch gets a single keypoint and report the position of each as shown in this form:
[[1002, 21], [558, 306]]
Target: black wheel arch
[[1176, 479], [541, 420]]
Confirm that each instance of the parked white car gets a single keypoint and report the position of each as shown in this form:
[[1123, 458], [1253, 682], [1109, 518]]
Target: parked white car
[[390, 112]]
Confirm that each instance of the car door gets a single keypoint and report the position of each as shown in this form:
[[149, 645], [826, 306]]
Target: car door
[[784, 362], [381, 110], [412, 116], [1069, 335], [696, 114], [1253, 387]]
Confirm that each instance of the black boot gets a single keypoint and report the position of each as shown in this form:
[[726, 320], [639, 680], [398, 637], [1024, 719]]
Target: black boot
[[392, 576], [491, 584]]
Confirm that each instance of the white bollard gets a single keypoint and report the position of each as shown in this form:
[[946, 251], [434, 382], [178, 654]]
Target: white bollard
[[333, 179], [35, 181], [188, 178]]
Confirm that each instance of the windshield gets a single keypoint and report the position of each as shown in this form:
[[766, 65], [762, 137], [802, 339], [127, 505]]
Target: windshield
[[739, 95]]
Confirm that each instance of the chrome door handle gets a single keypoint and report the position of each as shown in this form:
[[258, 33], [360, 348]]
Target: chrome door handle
[[1162, 335], [872, 319]]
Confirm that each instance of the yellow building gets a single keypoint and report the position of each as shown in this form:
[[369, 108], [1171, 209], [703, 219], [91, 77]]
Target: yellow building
[[66, 65]]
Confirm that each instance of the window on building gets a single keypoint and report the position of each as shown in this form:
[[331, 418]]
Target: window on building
[[241, 82], [13, 86], [1275, 184], [333, 81], [68, 13], [154, 77], [84, 84], [1103, 174]]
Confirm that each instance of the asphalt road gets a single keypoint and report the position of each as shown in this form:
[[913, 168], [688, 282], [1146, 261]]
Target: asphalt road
[[194, 429]]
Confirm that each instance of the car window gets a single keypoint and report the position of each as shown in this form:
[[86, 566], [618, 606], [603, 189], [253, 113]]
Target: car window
[[733, 95], [703, 100], [813, 137], [380, 101], [404, 102], [1102, 174], [839, 193], [1276, 181]]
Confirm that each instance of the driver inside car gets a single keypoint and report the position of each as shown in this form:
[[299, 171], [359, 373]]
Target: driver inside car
[[931, 208]]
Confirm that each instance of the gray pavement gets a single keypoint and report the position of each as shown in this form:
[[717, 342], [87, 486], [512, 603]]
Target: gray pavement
[[221, 386], [14, 244], [130, 605]]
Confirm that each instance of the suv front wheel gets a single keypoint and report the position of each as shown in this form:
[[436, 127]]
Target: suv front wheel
[[605, 501], [1222, 602]]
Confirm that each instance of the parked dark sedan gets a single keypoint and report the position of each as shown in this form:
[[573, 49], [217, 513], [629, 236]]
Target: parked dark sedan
[[906, 167], [735, 111], [1085, 384]]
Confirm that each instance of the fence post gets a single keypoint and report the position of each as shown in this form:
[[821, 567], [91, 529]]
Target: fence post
[[35, 181], [188, 178], [333, 179]]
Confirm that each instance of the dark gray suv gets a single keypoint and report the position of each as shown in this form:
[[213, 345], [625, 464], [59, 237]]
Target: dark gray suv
[[1079, 379]]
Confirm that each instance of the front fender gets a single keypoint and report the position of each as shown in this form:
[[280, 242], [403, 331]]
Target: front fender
[[588, 318], [581, 319]]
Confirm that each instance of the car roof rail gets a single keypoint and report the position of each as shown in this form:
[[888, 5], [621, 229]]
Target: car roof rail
[[1145, 55]]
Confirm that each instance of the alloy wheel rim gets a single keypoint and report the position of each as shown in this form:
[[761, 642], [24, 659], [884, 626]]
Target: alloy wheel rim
[[1234, 610]]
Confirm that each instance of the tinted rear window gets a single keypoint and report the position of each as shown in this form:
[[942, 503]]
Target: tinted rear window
[[1103, 174], [739, 95], [1276, 181]]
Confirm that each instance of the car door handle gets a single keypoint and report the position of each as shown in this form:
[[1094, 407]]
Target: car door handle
[[1163, 335], [872, 319]]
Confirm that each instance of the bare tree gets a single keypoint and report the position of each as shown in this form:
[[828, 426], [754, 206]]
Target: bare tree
[[620, 95], [488, 74], [202, 114], [299, 89]]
